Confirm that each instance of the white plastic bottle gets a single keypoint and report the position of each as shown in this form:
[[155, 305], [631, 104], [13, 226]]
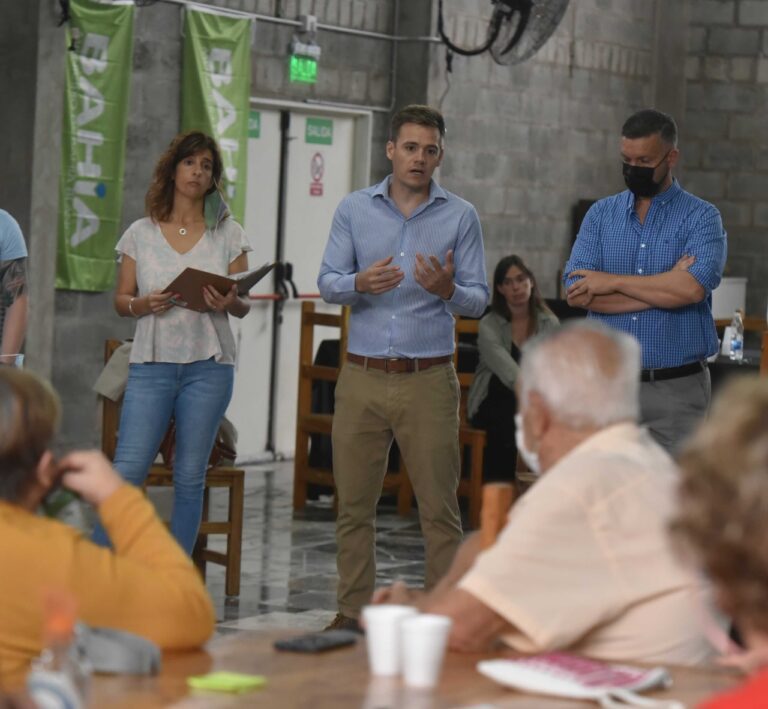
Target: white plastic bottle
[[59, 678], [737, 337]]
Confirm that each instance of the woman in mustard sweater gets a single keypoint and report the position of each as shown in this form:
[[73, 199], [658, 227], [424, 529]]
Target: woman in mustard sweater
[[147, 585]]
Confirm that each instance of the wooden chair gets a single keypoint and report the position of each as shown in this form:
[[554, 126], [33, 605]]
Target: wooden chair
[[309, 422], [219, 476], [752, 323], [470, 438], [473, 439], [497, 499], [764, 356]]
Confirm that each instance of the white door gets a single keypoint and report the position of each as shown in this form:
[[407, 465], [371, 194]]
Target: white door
[[321, 170], [320, 175], [249, 408]]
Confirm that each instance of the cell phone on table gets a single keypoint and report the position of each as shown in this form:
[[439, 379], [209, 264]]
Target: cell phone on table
[[318, 642]]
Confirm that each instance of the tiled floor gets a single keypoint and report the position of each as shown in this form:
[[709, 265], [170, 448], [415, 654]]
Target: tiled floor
[[289, 563]]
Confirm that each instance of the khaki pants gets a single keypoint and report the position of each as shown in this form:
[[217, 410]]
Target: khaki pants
[[421, 412]]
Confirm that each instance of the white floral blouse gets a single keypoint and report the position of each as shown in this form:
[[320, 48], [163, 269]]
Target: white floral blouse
[[180, 335]]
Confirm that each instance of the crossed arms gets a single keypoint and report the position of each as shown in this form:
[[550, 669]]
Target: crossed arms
[[696, 273], [611, 293]]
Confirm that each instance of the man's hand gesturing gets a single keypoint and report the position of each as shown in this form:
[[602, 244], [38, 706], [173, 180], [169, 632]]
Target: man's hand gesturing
[[379, 277], [433, 277]]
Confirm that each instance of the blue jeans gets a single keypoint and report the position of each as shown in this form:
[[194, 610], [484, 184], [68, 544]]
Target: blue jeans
[[196, 395]]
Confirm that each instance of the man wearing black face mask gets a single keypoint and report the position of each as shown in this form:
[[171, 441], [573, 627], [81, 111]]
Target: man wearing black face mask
[[646, 261]]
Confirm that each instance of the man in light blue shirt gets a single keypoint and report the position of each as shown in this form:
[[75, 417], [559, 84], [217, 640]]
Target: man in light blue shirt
[[646, 262], [13, 286], [407, 256]]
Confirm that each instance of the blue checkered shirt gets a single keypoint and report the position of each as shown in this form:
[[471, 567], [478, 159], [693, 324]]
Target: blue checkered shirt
[[613, 240], [407, 321]]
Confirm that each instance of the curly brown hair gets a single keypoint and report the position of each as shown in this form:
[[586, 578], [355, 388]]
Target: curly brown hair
[[159, 199], [722, 520]]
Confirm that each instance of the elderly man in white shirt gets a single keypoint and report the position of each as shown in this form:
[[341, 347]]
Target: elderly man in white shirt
[[584, 562]]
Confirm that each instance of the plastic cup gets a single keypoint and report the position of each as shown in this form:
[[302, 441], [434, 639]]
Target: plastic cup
[[382, 635], [424, 639], [12, 360]]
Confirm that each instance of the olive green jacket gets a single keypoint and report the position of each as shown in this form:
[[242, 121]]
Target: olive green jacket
[[494, 340]]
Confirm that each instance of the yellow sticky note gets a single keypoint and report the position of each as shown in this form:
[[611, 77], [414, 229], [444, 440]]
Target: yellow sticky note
[[234, 682]]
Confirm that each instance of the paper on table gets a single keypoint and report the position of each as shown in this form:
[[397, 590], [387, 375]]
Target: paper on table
[[563, 675], [234, 682], [190, 282]]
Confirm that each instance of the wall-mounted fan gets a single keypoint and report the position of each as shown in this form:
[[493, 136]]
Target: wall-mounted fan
[[516, 30]]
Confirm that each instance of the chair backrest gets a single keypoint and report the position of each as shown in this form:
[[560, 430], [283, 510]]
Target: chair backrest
[[463, 326], [307, 370], [752, 323], [110, 410], [497, 500]]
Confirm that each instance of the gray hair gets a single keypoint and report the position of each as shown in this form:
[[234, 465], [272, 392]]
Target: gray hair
[[587, 373]]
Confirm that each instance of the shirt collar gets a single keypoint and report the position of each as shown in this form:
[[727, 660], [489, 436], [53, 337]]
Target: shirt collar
[[662, 198], [614, 437], [435, 191]]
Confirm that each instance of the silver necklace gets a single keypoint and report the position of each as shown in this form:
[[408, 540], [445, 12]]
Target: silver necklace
[[182, 231]]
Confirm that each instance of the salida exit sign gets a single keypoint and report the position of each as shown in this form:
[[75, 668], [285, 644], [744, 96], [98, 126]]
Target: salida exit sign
[[303, 69], [319, 131]]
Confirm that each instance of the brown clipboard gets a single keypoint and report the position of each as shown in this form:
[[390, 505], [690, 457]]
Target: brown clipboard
[[189, 284]]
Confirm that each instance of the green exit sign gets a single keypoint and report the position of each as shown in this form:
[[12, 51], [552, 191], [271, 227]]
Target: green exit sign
[[303, 69]]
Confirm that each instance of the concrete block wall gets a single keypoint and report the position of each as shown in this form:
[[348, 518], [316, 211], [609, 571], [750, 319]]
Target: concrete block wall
[[725, 148], [18, 54], [526, 142], [85, 320], [353, 70]]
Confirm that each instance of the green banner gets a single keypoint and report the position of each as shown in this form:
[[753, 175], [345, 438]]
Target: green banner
[[215, 91], [98, 72]]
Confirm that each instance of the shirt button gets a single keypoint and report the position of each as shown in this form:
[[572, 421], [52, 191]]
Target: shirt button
[[639, 270], [634, 317], [402, 253], [642, 246], [393, 317]]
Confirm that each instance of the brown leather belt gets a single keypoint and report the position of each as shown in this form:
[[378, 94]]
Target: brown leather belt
[[397, 365]]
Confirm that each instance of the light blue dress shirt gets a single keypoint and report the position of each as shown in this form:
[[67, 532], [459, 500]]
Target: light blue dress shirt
[[407, 321], [613, 240]]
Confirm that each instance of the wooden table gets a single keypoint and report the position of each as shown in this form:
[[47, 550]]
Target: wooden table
[[340, 678]]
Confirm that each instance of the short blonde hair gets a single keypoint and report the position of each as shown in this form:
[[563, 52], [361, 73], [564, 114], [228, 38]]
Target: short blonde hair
[[29, 417], [723, 500]]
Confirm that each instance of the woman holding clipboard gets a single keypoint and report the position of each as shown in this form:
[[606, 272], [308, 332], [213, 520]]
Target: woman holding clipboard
[[182, 361]]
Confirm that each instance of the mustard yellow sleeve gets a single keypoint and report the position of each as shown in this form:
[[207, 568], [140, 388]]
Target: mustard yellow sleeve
[[148, 585]]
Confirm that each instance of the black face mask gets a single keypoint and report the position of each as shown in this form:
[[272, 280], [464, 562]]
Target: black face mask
[[639, 180]]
